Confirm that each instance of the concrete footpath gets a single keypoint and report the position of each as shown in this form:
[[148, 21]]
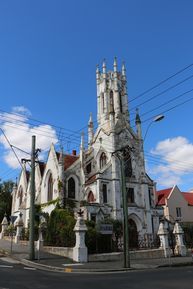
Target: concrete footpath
[[51, 262]]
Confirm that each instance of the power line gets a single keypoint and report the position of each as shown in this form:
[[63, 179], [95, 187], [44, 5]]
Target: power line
[[165, 103], [162, 92], [11, 148], [161, 82]]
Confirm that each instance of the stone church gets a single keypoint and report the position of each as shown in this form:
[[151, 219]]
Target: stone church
[[93, 178]]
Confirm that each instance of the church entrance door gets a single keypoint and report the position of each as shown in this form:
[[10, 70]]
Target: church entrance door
[[133, 235]]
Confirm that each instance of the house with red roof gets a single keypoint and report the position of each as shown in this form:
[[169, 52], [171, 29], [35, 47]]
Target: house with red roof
[[176, 205]]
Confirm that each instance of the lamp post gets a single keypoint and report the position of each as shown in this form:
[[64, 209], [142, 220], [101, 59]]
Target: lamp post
[[155, 119]]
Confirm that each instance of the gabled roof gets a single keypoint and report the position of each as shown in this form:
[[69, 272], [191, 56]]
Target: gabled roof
[[162, 195], [188, 197]]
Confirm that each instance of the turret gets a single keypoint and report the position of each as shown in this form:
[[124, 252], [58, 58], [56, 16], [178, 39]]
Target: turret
[[138, 124], [90, 130], [124, 92]]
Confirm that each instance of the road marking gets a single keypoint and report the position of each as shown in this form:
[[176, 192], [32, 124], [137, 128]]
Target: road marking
[[74, 264], [29, 268], [68, 270], [6, 266]]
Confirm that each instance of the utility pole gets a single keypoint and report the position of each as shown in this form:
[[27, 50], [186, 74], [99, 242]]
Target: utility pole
[[34, 154], [120, 154], [125, 215], [32, 200]]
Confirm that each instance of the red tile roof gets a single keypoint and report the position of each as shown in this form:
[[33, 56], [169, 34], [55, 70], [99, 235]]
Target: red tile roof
[[68, 160], [162, 195], [189, 198]]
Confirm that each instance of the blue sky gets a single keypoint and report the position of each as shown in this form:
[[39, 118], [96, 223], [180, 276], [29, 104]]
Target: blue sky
[[48, 56]]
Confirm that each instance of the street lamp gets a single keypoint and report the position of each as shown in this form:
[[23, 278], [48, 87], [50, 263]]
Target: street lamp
[[155, 119]]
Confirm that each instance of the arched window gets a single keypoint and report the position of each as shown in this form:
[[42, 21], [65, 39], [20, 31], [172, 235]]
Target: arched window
[[104, 187], [120, 101], [128, 164], [103, 102], [103, 160], [90, 197], [71, 188], [50, 188], [111, 101], [20, 195]]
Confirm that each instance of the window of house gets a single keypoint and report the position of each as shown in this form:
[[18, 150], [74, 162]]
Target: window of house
[[90, 197], [71, 188], [103, 160], [130, 196], [50, 188], [88, 168], [178, 212], [104, 193]]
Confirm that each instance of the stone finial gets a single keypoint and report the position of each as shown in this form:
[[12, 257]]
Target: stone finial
[[115, 64], [104, 66], [4, 221], [162, 230], [178, 229], [123, 70]]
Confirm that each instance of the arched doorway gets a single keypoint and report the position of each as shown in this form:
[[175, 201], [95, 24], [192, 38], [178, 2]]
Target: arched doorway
[[133, 235]]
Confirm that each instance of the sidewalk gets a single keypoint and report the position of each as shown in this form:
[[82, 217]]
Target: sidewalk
[[58, 263]]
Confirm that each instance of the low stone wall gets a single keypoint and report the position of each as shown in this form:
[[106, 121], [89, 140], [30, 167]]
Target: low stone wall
[[134, 255], [61, 251]]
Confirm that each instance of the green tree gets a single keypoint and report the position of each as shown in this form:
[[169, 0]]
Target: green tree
[[6, 188]]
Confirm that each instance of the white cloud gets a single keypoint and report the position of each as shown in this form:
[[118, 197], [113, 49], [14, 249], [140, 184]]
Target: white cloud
[[19, 133], [175, 158], [21, 110]]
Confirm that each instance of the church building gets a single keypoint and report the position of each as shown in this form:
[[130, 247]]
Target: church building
[[94, 178]]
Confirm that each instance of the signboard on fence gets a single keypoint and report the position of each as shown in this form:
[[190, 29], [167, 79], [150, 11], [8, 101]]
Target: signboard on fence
[[106, 229]]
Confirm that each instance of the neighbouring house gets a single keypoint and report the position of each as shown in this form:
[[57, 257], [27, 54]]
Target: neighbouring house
[[92, 178], [176, 205]]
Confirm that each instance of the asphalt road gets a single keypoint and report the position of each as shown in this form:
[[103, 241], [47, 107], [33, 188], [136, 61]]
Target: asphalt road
[[17, 276]]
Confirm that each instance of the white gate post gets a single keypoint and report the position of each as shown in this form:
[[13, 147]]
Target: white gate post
[[19, 225], [80, 251], [163, 235], [180, 248], [4, 225]]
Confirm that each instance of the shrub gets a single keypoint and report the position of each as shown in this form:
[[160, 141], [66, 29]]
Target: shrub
[[60, 229]]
